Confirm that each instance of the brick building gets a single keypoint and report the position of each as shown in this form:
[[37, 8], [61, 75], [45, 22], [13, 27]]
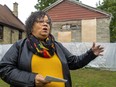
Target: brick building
[[11, 28], [77, 22]]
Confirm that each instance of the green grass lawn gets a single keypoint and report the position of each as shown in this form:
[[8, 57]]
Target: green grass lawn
[[88, 78], [93, 78], [3, 84]]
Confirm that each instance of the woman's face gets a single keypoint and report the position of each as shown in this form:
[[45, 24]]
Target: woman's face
[[41, 28]]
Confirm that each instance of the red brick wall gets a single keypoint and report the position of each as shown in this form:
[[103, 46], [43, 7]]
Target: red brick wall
[[70, 11]]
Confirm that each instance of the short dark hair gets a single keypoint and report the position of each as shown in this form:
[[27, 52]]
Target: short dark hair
[[33, 18]]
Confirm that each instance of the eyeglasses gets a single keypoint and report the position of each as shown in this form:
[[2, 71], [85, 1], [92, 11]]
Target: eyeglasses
[[42, 21]]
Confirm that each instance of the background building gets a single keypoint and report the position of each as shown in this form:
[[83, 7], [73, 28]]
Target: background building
[[77, 22], [11, 28]]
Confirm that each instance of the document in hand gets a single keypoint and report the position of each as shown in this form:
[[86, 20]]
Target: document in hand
[[54, 79]]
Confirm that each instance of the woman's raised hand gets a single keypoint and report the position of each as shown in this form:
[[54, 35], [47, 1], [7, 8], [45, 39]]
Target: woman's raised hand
[[97, 50]]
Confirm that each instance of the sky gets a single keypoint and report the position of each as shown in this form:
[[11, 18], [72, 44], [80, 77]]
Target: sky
[[25, 7]]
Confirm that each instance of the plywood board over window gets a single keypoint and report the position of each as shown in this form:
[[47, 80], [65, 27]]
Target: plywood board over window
[[89, 30], [64, 36]]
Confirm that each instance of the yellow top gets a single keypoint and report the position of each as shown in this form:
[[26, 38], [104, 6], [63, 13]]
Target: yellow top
[[48, 66]]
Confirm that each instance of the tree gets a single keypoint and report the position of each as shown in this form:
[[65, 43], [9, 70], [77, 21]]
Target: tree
[[110, 6], [44, 3]]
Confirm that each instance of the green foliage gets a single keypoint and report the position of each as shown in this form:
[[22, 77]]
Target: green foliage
[[44, 3], [110, 6]]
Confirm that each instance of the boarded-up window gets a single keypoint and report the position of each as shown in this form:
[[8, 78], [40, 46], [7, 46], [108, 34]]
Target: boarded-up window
[[1, 32], [64, 36], [89, 30]]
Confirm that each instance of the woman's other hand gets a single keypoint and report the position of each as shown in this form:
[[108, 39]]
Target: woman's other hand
[[97, 50], [40, 81]]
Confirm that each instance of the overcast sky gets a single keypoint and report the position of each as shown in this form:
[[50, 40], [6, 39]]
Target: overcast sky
[[25, 7]]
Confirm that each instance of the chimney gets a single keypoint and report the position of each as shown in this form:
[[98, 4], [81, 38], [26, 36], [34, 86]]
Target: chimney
[[15, 9]]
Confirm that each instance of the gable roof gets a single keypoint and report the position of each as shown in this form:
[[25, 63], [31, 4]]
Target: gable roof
[[7, 18], [78, 3]]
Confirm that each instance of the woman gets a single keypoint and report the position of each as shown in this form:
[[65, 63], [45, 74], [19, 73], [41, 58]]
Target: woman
[[29, 60]]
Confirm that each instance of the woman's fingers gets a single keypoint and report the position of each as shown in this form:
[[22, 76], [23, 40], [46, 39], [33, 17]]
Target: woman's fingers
[[97, 49], [40, 80], [93, 45]]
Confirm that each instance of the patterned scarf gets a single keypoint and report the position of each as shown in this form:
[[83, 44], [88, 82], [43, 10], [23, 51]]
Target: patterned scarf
[[44, 48]]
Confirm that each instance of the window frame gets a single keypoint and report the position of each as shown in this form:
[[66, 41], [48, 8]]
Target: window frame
[[1, 32], [65, 26], [75, 27], [70, 27], [20, 34]]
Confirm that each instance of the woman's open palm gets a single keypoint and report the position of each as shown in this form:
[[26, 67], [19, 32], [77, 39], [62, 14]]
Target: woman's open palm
[[97, 50]]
